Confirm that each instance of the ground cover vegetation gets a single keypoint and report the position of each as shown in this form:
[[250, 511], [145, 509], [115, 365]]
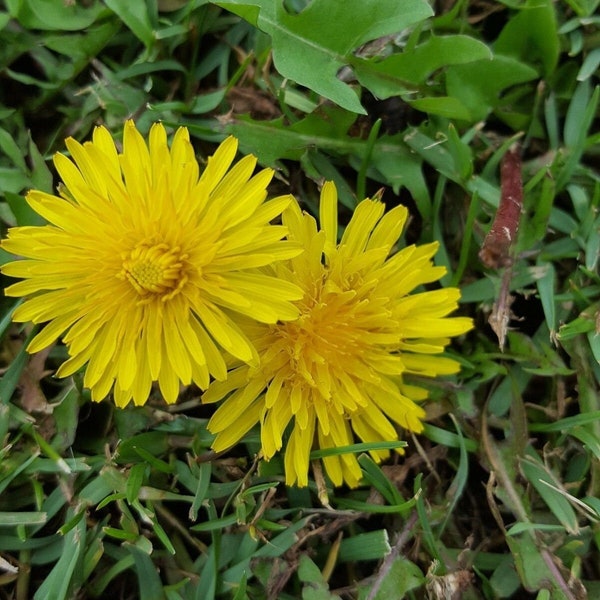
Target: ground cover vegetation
[[450, 109]]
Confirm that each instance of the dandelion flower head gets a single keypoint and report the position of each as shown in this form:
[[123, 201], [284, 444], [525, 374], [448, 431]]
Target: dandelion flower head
[[337, 373], [145, 259]]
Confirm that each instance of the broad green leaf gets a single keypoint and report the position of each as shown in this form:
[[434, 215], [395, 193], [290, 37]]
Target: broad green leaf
[[537, 568], [95, 491], [402, 577], [550, 490], [155, 463], [80, 47], [315, 587], [522, 527], [400, 168], [11, 519], [435, 152], [66, 414], [100, 584], [531, 36], [485, 289], [448, 438], [215, 524], [538, 357], [13, 180], [584, 323], [41, 177], [593, 503], [546, 285], [535, 226], [203, 471], [456, 489], [390, 161], [17, 463], [317, 165], [240, 593], [567, 423], [552, 121], [161, 534], [57, 584], [150, 585], [92, 556], [10, 148], [478, 84], [580, 116], [276, 547], [136, 16], [52, 15], [11, 376], [271, 141], [154, 442], [444, 106], [575, 120], [376, 477], [136, 477], [594, 342], [462, 153], [585, 435], [592, 248], [72, 522], [372, 545], [369, 507], [355, 448], [14, 43], [505, 580], [311, 47], [590, 65], [411, 68], [4, 20]]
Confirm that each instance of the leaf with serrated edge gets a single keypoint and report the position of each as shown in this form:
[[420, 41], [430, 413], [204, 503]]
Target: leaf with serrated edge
[[311, 47]]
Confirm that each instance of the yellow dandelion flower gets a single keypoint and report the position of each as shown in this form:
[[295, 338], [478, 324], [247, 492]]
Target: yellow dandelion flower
[[337, 372], [144, 259]]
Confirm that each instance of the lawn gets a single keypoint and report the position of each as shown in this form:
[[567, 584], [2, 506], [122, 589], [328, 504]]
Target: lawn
[[241, 424]]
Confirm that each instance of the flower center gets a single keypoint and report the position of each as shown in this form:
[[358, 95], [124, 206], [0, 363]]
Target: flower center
[[323, 339], [155, 270]]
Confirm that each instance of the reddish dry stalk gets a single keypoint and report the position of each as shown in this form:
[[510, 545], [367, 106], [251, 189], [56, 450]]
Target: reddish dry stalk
[[495, 251]]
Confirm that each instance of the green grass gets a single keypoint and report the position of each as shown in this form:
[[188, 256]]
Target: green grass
[[500, 497]]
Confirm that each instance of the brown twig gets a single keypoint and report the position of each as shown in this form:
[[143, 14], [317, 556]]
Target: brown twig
[[501, 313], [400, 542], [496, 249]]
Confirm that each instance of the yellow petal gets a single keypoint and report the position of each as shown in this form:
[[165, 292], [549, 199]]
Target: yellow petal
[[328, 213]]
